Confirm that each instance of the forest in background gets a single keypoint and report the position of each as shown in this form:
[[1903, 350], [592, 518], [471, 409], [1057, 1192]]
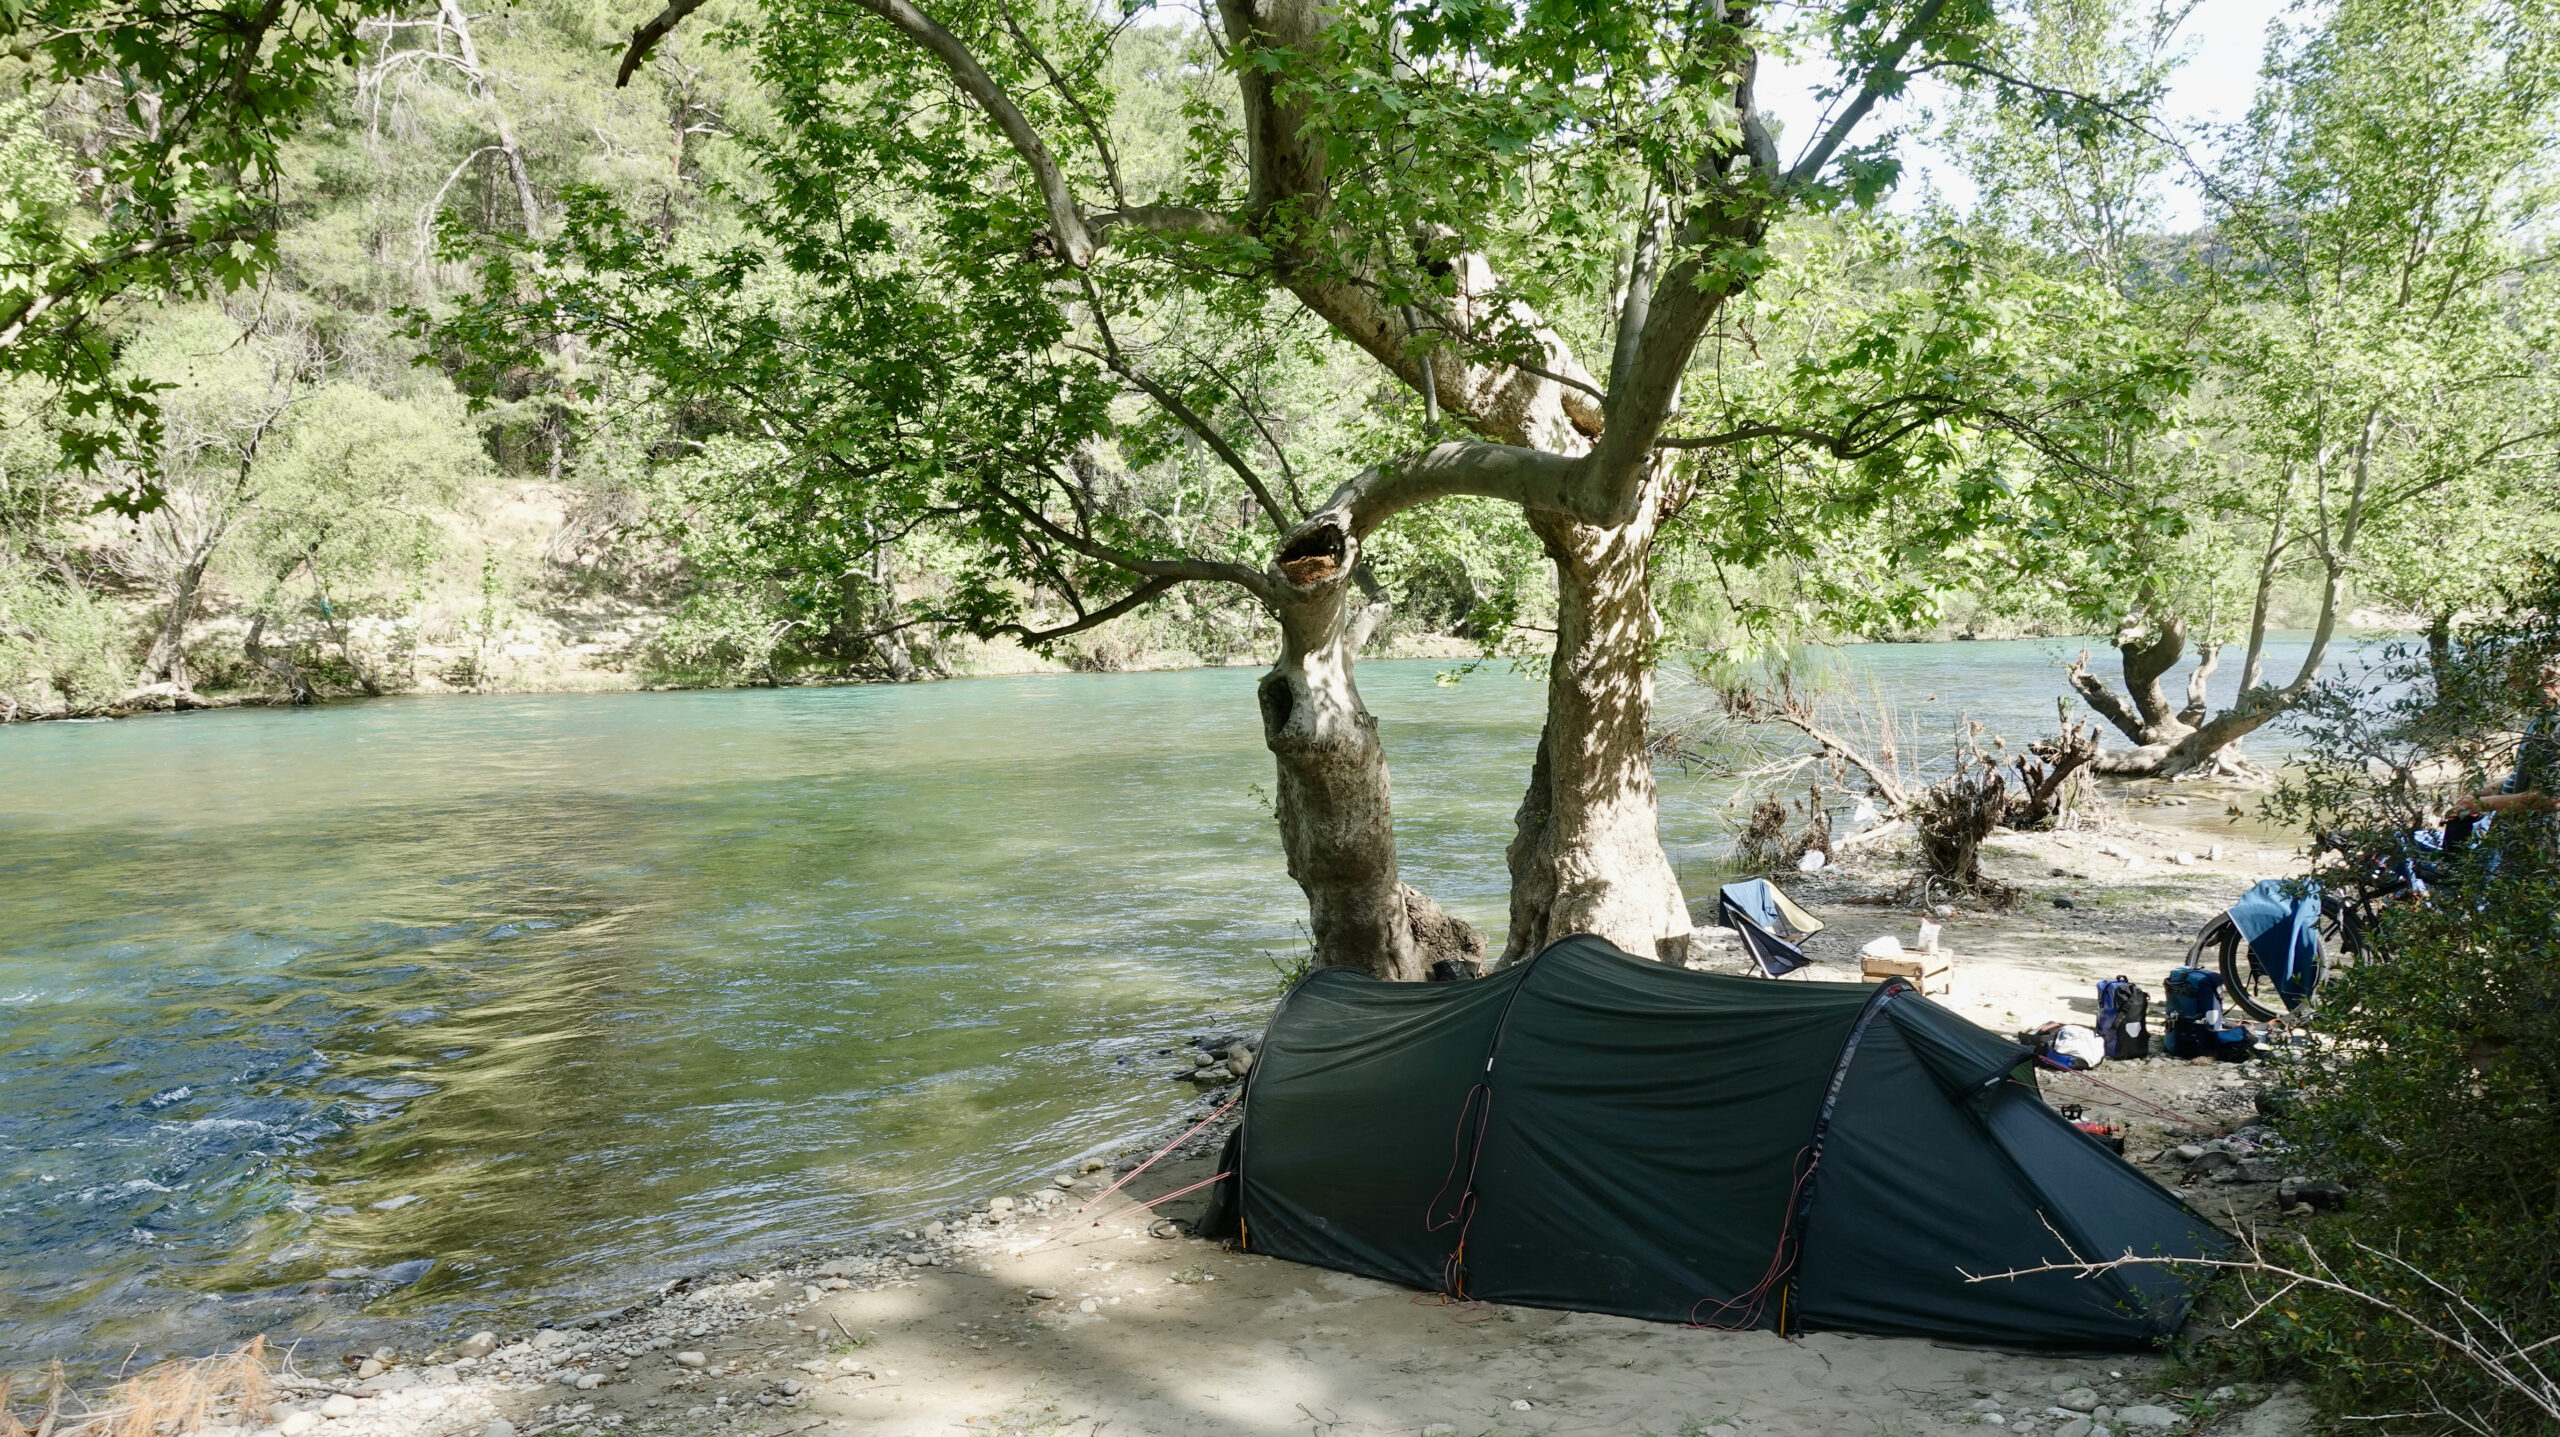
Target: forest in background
[[2334, 394]]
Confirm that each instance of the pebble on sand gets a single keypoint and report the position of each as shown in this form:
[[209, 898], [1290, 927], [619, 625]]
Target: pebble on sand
[[478, 1344], [338, 1405], [691, 1359]]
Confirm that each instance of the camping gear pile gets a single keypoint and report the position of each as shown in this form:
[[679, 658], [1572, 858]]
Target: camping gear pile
[[1592, 1131]]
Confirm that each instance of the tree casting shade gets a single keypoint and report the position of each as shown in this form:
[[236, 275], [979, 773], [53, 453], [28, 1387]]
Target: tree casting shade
[[1593, 1131]]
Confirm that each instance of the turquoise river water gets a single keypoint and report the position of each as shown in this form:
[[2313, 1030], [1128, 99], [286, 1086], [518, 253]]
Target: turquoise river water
[[403, 1011]]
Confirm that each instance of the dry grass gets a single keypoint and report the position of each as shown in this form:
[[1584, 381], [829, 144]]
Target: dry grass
[[172, 1398]]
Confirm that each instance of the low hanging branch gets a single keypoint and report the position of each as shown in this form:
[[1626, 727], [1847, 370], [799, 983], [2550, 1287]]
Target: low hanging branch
[[2472, 1335], [1790, 708]]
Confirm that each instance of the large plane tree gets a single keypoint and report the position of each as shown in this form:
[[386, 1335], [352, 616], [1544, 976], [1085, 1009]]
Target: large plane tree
[[1526, 217]]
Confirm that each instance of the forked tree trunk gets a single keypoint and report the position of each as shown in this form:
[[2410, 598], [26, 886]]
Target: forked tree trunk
[[1336, 823], [1587, 854], [2147, 657], [297, 685], [167, 661]]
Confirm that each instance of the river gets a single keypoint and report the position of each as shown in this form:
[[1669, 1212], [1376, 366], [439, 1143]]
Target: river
[[465, 1004]]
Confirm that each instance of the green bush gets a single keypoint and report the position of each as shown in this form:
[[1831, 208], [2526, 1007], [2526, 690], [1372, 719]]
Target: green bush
[[2433, 1087], [61, 648]]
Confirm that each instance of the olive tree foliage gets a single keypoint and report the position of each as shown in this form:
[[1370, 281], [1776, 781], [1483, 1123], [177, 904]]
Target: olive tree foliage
[[182, 113], [1524, 220], [284, 488], [2370, 311]]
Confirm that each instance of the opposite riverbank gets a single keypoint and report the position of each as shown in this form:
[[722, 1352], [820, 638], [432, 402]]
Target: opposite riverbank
[[1013, 1315]]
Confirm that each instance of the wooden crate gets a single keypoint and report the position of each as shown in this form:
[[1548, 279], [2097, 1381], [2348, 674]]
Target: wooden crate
[[1928, 972]]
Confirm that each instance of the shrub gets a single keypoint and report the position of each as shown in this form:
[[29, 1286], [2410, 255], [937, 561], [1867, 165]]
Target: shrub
[[2434, 1086]]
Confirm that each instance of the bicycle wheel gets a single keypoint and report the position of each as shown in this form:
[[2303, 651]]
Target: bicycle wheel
[[2221, 947]]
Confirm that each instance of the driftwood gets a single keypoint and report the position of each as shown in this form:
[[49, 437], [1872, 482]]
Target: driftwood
[[2051, 773]]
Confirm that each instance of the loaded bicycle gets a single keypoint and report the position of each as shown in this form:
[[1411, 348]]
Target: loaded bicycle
[[2285, 938]]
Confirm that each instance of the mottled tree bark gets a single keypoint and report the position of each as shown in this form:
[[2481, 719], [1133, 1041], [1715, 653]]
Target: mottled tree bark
[[1587, 855], [1336, 818]]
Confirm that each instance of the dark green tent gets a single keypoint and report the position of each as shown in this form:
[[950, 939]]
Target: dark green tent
[[1592, 1131]]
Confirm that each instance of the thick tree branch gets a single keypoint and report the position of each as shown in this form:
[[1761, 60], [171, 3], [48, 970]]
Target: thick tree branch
[[1165, 222], [1529, 477]]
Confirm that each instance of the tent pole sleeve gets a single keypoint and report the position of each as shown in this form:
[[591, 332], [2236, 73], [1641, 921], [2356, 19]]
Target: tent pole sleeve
[[1799, 1220]]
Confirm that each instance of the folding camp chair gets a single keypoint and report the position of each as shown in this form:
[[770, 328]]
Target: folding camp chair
[[1755, 910]]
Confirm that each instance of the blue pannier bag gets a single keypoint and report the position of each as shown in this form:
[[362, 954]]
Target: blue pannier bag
[[2196, 1029], [2124, 1018]]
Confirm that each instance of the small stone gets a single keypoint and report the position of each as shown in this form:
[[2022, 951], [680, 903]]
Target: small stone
[[2076, 1427], [2148, 1415], [589, 1382], [1062, 1180], [766, 1399], [1440, 1429], [1088, 1305], [1042, 1294], [338, 1405], [2063, 901], [294, 1424], [1094, 1165], [1992, 1419], [1000, 1206], [2078, 1399], [692, 1359], [500, 1427], [833, 1284], [478, 1344], [1200, 1058], [811, 1292], [1519, 1404], [934, 1229], [788, 1387], [2213, 854], [370, 1367], [551, 1337], [844, 1266]]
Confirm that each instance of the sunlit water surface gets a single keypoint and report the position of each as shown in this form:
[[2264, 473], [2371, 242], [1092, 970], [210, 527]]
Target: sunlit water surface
[[400, 1012]]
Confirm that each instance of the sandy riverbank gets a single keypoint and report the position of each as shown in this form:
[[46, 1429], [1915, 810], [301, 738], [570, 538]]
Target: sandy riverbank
[[1020, 1319]]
